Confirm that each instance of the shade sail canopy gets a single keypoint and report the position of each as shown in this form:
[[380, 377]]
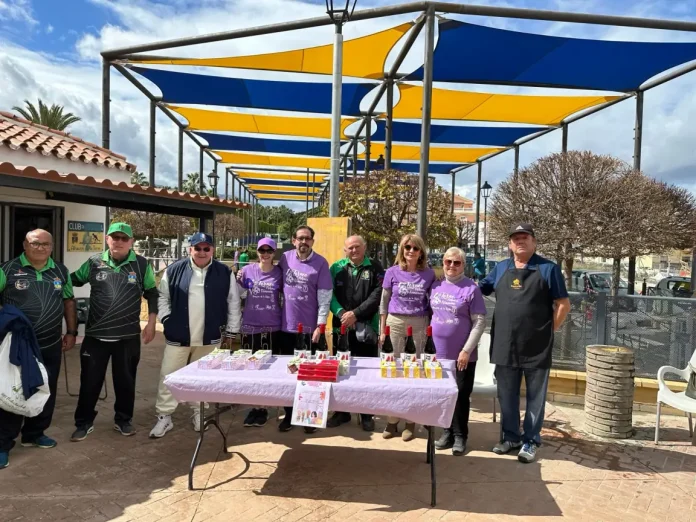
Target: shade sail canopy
[[275, 146], [362, 57], [282, 197], [303, 194], [412, 152], [261, 176], [255, 182], [200, 89], [479, 106], [433, 168], [453, 134], [275, 161], [202, 119], [289, 188], [508, 57]]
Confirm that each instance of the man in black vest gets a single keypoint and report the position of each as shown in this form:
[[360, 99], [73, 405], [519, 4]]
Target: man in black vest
[[118, 280], [531, 303], [41, 289], [199, 300]]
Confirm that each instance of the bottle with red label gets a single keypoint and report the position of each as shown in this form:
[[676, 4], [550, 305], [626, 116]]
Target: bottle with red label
[[343, 340]]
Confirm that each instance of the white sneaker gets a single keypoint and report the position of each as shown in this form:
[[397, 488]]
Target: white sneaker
[[196, 421], [164, 424]]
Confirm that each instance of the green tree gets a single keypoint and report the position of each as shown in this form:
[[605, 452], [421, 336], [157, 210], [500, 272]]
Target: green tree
[[191, 183], [52, 117], [139, 178]]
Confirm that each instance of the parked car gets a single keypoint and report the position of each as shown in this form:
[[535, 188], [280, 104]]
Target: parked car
[[672, 286]]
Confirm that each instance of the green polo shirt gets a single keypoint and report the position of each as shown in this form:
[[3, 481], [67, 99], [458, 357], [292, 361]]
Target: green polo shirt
[[335, 268], [39, 294], [116, 291]]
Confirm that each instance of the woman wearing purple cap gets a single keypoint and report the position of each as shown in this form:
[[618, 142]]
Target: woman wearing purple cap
[[261, 285]]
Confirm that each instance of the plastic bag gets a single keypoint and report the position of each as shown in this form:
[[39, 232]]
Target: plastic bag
[[11, 393]]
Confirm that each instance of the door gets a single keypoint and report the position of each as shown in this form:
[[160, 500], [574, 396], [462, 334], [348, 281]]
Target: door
[[24, 219]]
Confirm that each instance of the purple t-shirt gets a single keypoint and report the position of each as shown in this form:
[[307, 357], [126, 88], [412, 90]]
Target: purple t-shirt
[[301, 281], [409, 290], [262, 305], [452, 305]]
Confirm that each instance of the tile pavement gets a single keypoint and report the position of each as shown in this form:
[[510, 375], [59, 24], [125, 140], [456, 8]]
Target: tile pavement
[[340, 474]]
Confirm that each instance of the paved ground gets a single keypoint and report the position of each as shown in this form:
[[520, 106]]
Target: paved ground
[[341, 474]]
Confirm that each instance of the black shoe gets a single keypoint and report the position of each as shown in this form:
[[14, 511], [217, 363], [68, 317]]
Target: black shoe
[[285, 424], [249, 419], [445, 441], [368, 422], [338, 418], [261, 418], [309, 430], [459, 446], [81, 433], [125, 428]]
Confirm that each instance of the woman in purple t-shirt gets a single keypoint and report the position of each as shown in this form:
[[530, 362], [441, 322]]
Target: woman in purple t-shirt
[[261, 287], [458, 322], [405, 303]]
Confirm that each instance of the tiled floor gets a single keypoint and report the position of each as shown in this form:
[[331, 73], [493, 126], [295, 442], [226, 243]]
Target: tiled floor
[[341, 474]]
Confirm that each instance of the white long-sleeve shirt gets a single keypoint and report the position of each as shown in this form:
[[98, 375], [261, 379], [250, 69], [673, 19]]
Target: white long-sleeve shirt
[[196, 303]]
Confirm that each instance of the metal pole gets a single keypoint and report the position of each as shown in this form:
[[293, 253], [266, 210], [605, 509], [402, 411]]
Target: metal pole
[[485, 228], [314, 184], [217, 180], [388, 124], [227, 184], [307, 201], [564, 138], [201, 183], [453, 176], [517, 161], [180, 162], [368, 139], [106, 104], [355, 158], [153, 120], [421, 222], [478, 206], [335, 120], [637, 157]]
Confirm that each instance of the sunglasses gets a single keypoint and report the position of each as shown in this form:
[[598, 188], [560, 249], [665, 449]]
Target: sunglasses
[[265, 251], [202, 249], [450, 262], [408, 248], [122, 239]]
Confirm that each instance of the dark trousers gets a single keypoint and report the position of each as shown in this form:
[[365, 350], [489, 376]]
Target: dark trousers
[[32, 428], [358, 349], [262, 341], [465, 384], [509, 381], [94, 359]]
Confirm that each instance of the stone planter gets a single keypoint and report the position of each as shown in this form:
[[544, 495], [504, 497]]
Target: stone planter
[[610, 371]]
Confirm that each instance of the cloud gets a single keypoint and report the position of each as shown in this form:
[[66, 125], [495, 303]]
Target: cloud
[[49, 29], [17, 11]]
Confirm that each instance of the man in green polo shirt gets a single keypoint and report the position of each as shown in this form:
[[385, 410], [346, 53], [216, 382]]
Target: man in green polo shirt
[[41, 288], [118, 280]]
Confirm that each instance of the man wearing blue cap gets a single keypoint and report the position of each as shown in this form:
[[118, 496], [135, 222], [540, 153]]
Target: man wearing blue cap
[[198, 302]]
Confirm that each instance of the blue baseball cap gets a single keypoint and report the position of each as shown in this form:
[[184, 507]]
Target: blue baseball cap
[[200, 237]]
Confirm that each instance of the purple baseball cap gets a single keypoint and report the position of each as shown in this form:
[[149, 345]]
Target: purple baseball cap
[[267, 241]]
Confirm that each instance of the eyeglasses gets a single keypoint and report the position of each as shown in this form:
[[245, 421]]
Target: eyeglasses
[[36, 245], [202, 249], [304, 239], [265, 251], [122, 239], [408, 248], [452, 262]]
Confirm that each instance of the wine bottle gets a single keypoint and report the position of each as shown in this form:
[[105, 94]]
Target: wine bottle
[[410, 347], [343, 340], [321, 345], [301, 342], [429, 344], [387, 346]]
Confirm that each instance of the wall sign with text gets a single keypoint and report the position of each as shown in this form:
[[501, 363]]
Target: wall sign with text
[[85, 236]]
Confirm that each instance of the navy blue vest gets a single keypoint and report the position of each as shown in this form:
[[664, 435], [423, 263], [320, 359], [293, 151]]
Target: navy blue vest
[[217, 287]]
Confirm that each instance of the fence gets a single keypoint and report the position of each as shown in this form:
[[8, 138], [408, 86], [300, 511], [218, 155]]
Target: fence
[[660, 330]]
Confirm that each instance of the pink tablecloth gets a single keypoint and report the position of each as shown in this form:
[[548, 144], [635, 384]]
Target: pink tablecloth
[[425, 401]]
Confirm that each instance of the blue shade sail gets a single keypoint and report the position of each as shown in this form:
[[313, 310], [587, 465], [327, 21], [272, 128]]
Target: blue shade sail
[[277, 146], [468, 53], [199, 89], [283, 183], [455, 134], [434, 168]]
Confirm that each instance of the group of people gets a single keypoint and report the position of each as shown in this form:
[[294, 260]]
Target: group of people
[[199, 303]]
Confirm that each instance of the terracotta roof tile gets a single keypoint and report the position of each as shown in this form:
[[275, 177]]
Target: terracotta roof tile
[[18, 133], [51, 175]]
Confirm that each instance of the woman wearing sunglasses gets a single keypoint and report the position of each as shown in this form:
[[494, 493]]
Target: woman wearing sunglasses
[[405, 303], [458, 322], [261, 285]]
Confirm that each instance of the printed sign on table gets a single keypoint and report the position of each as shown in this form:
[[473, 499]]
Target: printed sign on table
[[85, 236], [311, 405]]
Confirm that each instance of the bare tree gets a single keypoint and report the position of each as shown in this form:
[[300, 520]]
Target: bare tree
[[465, 232], [228, 226]]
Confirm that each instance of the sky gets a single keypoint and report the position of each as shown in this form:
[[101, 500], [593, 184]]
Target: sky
[[50, 49]]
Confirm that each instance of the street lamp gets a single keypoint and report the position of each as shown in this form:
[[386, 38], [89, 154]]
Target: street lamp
[[213, 181], [340, 12], [485, 192]]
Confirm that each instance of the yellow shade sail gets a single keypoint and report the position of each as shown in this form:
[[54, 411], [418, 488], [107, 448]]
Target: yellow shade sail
[[282, 188], [280, 177], [205, 120], [511, 108], [362, 57], [451, 154], [275, 161], [286, 197]]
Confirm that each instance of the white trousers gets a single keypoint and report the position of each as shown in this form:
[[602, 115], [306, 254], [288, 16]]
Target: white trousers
[[175, 358]]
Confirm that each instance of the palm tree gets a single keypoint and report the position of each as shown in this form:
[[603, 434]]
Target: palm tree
[[52, 117], [191, 183], [139, 178]]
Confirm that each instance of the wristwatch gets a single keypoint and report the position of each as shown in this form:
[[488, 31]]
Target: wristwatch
[[71, 332]]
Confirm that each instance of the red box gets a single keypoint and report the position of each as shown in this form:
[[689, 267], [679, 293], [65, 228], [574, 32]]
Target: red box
[[325, 371]]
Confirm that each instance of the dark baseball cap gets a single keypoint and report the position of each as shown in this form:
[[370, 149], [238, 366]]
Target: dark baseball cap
[[524, 228], [200, 237]]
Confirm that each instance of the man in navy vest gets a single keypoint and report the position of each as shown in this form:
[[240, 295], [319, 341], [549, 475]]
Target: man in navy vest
[[198, 303]]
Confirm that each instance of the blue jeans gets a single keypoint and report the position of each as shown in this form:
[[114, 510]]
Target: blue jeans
[[509, 381]]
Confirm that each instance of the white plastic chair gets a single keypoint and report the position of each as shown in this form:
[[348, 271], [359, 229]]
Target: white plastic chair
[[484, 382], [678, 401]]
